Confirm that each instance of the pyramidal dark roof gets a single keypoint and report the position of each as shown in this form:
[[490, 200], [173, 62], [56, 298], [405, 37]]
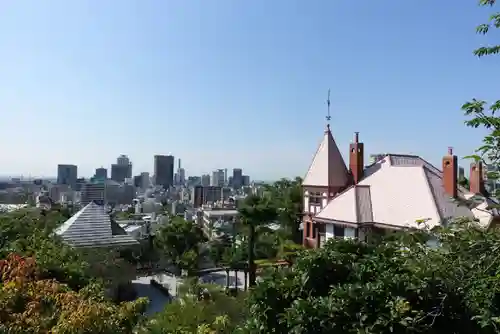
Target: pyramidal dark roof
[[92, 227]]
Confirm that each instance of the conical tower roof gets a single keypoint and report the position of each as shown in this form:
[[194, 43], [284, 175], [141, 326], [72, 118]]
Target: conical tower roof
[[328, 168]]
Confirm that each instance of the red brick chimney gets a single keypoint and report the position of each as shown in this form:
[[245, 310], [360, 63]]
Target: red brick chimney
[[476, 180], [356, 163], [450, 170]]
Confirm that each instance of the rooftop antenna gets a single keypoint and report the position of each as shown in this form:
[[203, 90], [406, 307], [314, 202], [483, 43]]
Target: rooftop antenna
[[328, 117]]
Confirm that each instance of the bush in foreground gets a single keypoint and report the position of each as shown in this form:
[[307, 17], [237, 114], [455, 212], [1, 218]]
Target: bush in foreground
[[29, 304], [399, 286]]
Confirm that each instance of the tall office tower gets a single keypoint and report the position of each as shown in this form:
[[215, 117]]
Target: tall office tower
[[246, 180], [225, 177], [164, 170], [123, 160], [461, 173], [205, 180], [136, 180], [145, 180], [119, 172], [237, 178], [67, 174], [182, 176], [93, 192], [218, 178], [202, 195], [101, 173]]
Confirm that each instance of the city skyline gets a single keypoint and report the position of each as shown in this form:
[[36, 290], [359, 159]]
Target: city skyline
[[108, 170], [234, 83]]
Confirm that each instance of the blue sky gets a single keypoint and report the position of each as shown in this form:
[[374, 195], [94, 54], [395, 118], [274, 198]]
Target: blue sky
[[233, 83]]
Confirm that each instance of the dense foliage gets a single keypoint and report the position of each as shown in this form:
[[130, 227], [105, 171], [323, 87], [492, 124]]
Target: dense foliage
[[287, 197], [179, 241], [47, 286], [479, 112], [31, 304], [400, 286], [201, 308], [254, 212]]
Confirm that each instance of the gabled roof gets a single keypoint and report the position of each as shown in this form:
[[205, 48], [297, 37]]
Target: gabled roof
[[328, 168], [92, 227], [399, 191]]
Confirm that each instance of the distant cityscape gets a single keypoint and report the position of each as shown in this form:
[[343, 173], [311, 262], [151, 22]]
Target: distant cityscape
[[120, 185]]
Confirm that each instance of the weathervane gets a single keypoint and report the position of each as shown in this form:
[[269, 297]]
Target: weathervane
[[328, 117]]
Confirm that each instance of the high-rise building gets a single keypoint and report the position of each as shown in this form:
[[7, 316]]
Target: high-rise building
[[203, 195], [218, 178], [246, 180], [164, 170], [461, 173], [205, 180], [145, 180], [119, 172], [182, 176], [237, 181], [137, 181], [123, 160], [67, 174], [93, 192], [101, 173]]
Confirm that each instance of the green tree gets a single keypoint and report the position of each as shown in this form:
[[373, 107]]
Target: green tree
[[177, 238], [464, 182], [479, 112], [254, 212], [29, 233], [218, 313], [218, 247], [397, 286], [287, 197]]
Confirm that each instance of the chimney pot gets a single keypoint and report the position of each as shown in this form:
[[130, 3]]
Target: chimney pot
[[476, 181], [356, 161], [450, 173]]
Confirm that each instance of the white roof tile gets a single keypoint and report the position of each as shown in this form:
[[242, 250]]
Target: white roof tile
[[400, 190], [328, 167], [343, 208]]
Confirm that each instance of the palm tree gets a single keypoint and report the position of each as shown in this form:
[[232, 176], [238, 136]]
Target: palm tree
[[254, 212], [288, 198]]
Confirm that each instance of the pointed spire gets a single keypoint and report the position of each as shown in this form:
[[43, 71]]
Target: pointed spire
[[328, 168]]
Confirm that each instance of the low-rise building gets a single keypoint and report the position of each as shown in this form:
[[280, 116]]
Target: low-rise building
[[218, 221]]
